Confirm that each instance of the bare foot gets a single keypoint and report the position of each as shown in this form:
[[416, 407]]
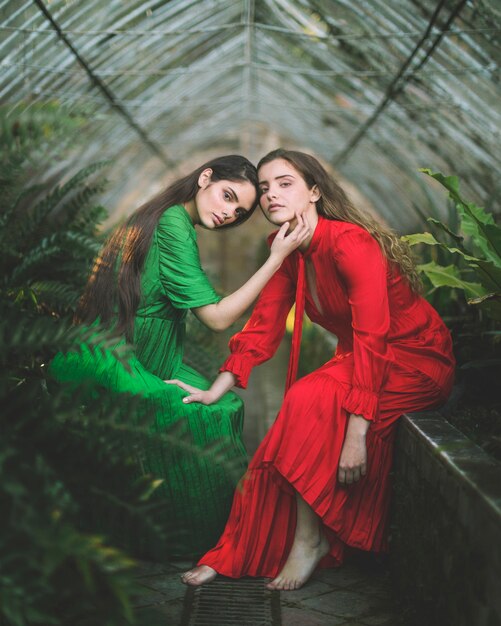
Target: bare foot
[[300, 565], [199, 575]]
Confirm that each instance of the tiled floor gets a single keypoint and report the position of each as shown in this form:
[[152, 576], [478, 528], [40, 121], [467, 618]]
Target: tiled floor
[[160, 594], [358, 594]]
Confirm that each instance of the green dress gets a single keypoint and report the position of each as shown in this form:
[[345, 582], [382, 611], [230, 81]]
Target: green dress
[[197, 492]]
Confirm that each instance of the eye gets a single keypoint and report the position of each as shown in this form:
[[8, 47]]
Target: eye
[[227, 196], [262, 190], [285, 183]]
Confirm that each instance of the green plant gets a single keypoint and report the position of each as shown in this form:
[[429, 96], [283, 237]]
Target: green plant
[[477, 269], [59, 457], [462, 272]]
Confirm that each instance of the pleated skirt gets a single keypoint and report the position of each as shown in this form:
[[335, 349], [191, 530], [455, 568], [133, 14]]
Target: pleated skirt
[[300, 454], [195, 451]]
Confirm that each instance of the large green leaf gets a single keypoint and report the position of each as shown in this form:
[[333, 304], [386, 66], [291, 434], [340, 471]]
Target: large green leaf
[[449, 276], [488, 296], [476, 222], [451, 183], [457, 238], [484, 233], [416, 238], [489, 274]]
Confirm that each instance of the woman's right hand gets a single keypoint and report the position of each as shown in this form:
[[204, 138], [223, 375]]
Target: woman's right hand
[[284, 243], [201, 396]]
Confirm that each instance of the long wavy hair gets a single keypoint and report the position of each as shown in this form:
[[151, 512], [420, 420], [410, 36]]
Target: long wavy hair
[[113, 291], [334, 204]]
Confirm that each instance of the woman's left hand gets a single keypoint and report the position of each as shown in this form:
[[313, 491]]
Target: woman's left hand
[[196, 395], [353, 460]]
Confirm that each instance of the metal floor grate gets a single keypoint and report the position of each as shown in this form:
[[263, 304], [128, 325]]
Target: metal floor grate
[[228, 602]]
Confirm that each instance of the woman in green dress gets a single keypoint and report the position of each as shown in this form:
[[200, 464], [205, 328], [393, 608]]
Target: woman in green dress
[[142, 285]]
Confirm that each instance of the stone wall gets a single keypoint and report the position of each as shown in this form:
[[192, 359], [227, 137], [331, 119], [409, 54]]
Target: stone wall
[[446, 526]]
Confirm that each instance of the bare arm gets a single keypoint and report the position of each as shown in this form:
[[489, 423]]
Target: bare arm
[[222, 315]]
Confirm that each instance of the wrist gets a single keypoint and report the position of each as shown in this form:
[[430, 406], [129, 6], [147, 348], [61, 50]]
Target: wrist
[[275, 260], [358, 426], [211, 396]]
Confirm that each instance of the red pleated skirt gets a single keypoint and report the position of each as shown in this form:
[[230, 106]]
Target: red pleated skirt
[[301, 453]]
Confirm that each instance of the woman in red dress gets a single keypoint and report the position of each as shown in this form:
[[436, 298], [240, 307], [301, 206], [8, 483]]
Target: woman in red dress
[[319, 481]]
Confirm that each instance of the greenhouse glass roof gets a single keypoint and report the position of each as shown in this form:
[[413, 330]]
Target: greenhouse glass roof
[[376, 88]]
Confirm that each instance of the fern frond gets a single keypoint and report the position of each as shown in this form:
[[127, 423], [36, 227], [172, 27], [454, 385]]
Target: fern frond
[[73, 239], [59, 295], [41, 254], [88, 220], [46, 206], [11, 211], [71, 244], [78, 204], [44, 335]]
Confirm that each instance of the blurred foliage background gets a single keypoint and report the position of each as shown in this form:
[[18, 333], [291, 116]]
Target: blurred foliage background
[[71, 490]]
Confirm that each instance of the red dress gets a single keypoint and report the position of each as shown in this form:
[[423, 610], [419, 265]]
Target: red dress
[[394, 355]]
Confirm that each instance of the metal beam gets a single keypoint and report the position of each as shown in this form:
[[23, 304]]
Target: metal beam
[[398, 83], [248, 77], [104, 89]]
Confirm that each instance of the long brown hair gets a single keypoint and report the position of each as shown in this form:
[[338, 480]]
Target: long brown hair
[[334, 204], [113, 290]]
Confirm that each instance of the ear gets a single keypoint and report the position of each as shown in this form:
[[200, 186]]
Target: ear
[[205, 178], [315, 193]]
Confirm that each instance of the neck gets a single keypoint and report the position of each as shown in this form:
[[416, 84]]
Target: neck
[[311, 216], [191, 209]]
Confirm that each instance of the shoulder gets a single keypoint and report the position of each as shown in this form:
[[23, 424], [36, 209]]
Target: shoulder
[[352, 245], [337, 228], [175, 223], [345, 235]]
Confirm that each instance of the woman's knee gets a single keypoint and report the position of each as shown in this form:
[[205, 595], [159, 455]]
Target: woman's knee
[[313, 388]]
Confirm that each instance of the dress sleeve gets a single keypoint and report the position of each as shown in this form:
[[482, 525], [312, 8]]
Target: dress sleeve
[[182, 277], [363, 268], [260, 337]]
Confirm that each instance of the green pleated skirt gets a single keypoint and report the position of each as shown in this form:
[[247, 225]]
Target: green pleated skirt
[[194, 449]]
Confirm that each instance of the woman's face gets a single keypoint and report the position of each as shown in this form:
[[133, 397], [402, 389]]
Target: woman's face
[[222, 201], [284, 193]]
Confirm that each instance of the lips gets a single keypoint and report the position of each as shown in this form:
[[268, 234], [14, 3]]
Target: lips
[[218, 220], [275, 207]]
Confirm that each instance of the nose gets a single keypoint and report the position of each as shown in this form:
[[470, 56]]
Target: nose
[[270, 194], [229, 213]]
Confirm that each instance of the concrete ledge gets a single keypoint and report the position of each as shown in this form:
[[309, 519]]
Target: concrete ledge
[[446, 525]]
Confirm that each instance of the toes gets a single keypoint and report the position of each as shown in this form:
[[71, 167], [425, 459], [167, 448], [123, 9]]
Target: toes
[[199, 576], [190, 577], [275, 584]]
